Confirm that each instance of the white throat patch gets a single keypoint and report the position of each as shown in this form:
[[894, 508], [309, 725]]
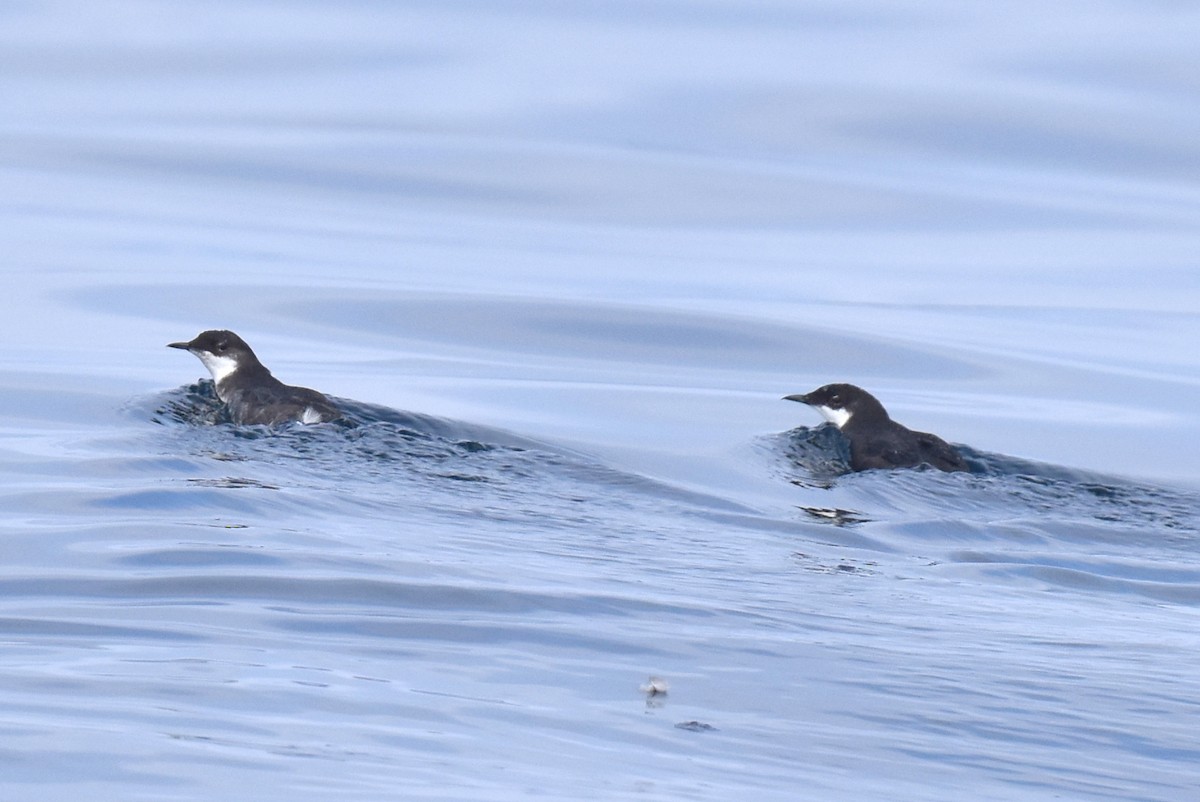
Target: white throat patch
[[218, 366], [838, 417]]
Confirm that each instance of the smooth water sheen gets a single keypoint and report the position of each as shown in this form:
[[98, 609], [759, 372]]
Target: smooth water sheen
[[558, 264]]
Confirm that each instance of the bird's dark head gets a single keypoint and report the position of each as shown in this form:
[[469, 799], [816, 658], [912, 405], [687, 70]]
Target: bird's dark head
[[221, 351], [838, 403]]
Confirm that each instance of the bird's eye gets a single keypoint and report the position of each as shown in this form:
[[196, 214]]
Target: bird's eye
[[222, 346], [837, 399]]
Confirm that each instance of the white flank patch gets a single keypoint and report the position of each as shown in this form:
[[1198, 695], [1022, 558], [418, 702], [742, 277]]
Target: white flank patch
[[310, 416], [838, 417], [218, 366]]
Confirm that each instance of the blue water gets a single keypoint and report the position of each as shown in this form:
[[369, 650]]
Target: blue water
[[559, 263]]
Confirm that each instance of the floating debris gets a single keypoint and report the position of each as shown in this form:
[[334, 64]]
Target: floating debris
[[695, 726], [836, 516]]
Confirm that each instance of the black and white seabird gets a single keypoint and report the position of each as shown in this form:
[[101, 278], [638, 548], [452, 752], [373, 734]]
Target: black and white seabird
[[252, 394], [877, 441]]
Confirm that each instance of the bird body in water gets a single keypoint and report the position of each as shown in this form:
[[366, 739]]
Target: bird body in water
[[877, 441], [248, 389]]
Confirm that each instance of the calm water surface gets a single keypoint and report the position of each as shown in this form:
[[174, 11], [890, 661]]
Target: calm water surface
[[559, 263]]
